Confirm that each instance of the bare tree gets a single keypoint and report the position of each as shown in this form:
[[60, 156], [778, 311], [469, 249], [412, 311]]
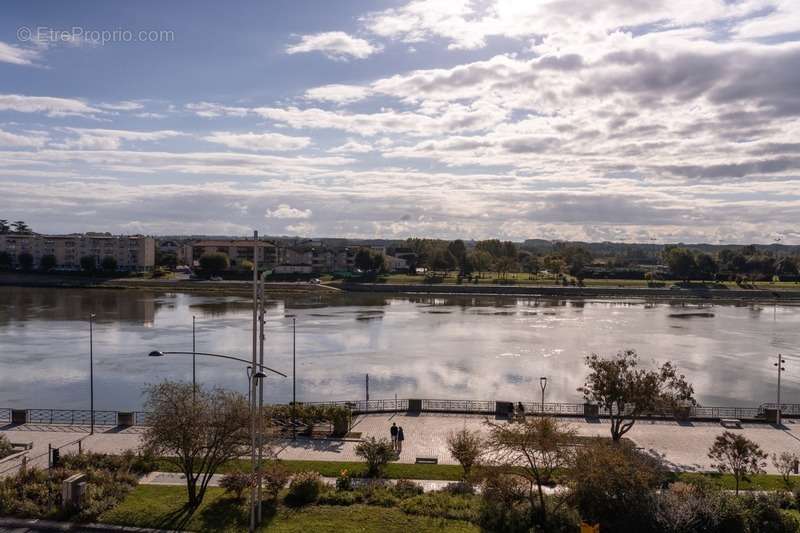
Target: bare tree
[[197, 433], [627, 392], [466, 447], [738, 455], [786, 463], [533, 449]]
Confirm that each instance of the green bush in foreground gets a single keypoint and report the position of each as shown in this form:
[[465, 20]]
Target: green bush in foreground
[[304, 489]]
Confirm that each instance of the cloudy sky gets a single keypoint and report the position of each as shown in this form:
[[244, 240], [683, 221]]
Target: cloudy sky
[[625, 120]]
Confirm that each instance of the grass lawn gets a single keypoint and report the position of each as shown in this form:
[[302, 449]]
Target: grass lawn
[[162, 507], [728, 482], [357, 469]]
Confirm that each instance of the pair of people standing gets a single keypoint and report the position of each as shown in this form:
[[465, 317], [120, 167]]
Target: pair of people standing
[[397, 437]]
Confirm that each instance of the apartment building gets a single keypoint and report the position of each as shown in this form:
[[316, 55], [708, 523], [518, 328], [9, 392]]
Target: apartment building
[[237, 250], [133, 253]]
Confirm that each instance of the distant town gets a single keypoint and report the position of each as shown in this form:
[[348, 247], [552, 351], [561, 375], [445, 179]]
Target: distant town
[[23, 249]]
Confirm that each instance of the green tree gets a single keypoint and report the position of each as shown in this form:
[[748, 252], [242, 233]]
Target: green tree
[[531, 265], [377, 453], [681, 262], [47, 262], [88, 263], [505, 264], [167, 260], [214, 262], [109, 264], [614, 485], [459, 252], [21, 227], [363, 260], [738, 455], [481, 260], [25, 261], [626, 391], [4, 226], [198, 431], [706, 266], [466, 447]]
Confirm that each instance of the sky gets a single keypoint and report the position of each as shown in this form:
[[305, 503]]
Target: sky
[[620, 120]]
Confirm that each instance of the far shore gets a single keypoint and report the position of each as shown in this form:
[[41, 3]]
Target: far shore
[[698, 292]]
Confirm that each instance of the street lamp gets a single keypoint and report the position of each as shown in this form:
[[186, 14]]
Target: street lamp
[[543, 385], [159, 353], [779, 364], [91, 372]]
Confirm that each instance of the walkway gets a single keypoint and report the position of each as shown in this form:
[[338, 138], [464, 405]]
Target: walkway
[[684, 446]]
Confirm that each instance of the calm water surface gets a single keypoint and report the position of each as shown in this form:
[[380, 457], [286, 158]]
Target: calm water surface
[[464, 347]]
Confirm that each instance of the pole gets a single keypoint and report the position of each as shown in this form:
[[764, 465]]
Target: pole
[[91, 373], [294, 378], [261, 311], [194, 361], [367, 393], [253, 494], [779, 364]]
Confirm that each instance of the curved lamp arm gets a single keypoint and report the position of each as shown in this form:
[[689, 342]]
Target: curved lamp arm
[[158, 353]]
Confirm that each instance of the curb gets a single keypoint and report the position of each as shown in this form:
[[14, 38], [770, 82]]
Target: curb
[[49, 525]]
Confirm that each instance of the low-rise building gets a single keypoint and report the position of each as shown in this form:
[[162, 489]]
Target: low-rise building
[[132, 253], [237, 250]]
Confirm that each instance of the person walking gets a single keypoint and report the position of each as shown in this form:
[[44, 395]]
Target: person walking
[[393, 433], [400, 439]]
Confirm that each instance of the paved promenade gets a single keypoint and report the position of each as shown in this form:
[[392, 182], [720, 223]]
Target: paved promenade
[[683, 446]]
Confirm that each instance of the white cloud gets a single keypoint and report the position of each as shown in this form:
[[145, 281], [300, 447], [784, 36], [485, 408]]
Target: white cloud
[[125, 105], [52, 106], [285, 211], [303, 229], [107, 139], [16, 140], [782, 20], [351, 147], [336, 45], [261, 142], [16, 55], [338, 94]]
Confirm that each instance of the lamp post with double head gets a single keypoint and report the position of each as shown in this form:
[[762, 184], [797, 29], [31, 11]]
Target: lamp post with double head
[[543, 385]]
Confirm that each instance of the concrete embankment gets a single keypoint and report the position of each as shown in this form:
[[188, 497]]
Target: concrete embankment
[[581, 292], [225, 287]]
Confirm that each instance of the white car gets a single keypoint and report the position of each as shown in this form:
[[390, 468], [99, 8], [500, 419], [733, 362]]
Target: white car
[[215, 278]]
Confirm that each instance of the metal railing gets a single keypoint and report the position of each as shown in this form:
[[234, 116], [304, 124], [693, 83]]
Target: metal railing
[[483, 407]]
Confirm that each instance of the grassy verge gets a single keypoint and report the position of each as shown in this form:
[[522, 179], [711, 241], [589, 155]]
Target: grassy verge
[[728, 482], [162, 507], [356, 469]]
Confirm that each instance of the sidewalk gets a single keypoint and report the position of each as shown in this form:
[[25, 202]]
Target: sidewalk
[[684, 446]]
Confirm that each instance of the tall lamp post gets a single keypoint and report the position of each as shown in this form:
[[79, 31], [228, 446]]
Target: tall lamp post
[[543, 385], [194, 361], [779, 364], [256, 378], [91, 372]]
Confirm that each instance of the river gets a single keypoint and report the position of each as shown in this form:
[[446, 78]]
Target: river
[[461, 347]]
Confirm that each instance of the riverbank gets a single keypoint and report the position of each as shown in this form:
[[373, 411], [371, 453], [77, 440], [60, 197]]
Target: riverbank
[[700, 292], [14, 279]]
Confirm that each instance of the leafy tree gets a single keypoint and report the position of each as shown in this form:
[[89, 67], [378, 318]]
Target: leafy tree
[[481, 260], [246, 265], [706, 266], [459, 252], [25, 261], [466, 447], [681, 262], [47, 262], [21, 227], [738, 455], [534, 449], [377, 453], [88, 263], [505, 264], [197, 432], [530, 264], [4, 227], [618, 385], [369, 261], [442, 261], [5, 260], [167, 260], [109, 264], [614, 485], [491, 246], [214, 262]]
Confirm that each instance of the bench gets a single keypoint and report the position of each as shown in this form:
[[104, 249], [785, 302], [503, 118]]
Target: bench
[[427, 460], [731, 422]]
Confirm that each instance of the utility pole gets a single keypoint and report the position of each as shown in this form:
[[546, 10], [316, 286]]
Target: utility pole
[[194, 363], [252, 384], [367, 392], [779, 364], [91, 373], [294, 378], [261, 313]]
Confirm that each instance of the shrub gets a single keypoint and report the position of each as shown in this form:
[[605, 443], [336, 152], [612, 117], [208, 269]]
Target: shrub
[[273, 478], [379, 495], [460, 487], [785, 464], [442, 505], [377, 453], [344, 481], [304, 489], [405, 488], [236, 483], [5, 447], [466, 447], [339, 497]]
